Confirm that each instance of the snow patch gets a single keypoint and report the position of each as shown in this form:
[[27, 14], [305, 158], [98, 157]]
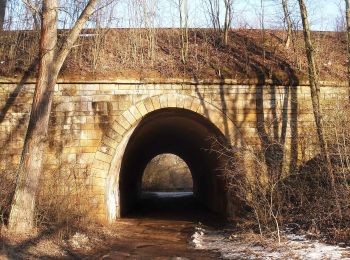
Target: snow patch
[[79, 241], [237, 247]]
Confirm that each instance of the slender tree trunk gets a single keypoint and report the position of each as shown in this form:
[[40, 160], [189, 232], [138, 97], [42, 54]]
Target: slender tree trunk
[[228, 16], [262, 25], [347, 6], [51, 60], [2, 13], [315, 89], [183, 10], [21, 216], [186, 29], [182, 34], [288, 22]]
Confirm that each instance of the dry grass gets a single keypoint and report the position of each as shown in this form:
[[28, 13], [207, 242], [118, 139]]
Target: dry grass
[[128, 53], [7, 187]]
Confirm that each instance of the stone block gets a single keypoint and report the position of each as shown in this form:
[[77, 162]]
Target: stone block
[[95, 87], [172, 100], [88, 126], [98, 173], [195, 105], [108, 87], [89, 142], [141, 108], [180, 101], [163, 101], [118, 128], [123, 122], [113, 135], [87, 149], [155, 102], [110, 142], [148, 104], [90, 134], [100, 98], [188, 102], [135, 112], [104, 148], [129, 117], [85, 158], [103, 157], [101, 165]]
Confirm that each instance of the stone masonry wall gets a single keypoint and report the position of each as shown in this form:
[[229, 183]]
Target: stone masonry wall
[[83, 114]]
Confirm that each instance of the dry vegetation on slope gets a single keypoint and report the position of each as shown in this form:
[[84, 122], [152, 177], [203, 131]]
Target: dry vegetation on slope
[[130, 53]]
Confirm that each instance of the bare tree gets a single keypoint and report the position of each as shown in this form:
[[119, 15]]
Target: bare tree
[[214, 11], [52, 56], [315, 89], [2, 13], [213, 7], [228, 19], [288, 22], [347, 11], [262, 26], [183, 11]]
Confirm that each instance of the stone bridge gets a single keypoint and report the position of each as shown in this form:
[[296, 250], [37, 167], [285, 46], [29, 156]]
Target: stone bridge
[[104, 133]]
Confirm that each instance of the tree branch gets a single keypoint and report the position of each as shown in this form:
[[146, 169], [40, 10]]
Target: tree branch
[[74, 34]]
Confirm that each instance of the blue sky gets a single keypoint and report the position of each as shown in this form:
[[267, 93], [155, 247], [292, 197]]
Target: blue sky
[[247, 13]]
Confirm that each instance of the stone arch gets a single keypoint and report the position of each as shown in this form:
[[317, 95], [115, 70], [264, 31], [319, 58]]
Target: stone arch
[[104, 181]]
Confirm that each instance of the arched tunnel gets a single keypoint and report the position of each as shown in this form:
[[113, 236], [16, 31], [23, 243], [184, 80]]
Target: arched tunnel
[[185, 134]]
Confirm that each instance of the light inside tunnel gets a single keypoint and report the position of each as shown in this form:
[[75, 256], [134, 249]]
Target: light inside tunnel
[[167, 173], [185, 134]]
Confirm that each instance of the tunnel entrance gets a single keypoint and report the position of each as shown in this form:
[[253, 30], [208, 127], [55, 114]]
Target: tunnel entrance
[[185, 134]]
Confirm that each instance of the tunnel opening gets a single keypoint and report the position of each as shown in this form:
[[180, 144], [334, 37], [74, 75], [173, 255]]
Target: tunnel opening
[[167, 173], [167, 187], [187, 135]]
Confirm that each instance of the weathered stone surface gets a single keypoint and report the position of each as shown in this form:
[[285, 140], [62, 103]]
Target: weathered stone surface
[[89, 122]]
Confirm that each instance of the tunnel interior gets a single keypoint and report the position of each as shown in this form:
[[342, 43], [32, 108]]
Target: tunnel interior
[[185, 134]]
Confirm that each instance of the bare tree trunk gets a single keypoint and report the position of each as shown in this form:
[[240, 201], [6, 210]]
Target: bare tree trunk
[[262, 25], [51, 60], [347, 6], [23, 205], [183, 10], [214, 13], [2, 13], [315, 90], [228, 18], [186, 28], [288, 22]]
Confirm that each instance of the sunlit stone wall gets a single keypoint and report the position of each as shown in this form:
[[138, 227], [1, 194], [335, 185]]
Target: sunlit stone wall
[[89, 119]]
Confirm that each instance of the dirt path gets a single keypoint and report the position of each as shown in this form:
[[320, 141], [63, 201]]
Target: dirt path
[[150, 239], [159, 229]]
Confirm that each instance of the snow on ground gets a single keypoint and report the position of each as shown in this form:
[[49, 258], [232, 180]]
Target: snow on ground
[[240, 247], [168, 194]]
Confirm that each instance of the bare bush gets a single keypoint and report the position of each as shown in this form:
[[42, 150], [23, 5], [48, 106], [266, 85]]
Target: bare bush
[[303, 196], [64, 200], [248, 178], [7, 187]]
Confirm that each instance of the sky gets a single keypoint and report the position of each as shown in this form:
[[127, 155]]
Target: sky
[[246, 13]]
